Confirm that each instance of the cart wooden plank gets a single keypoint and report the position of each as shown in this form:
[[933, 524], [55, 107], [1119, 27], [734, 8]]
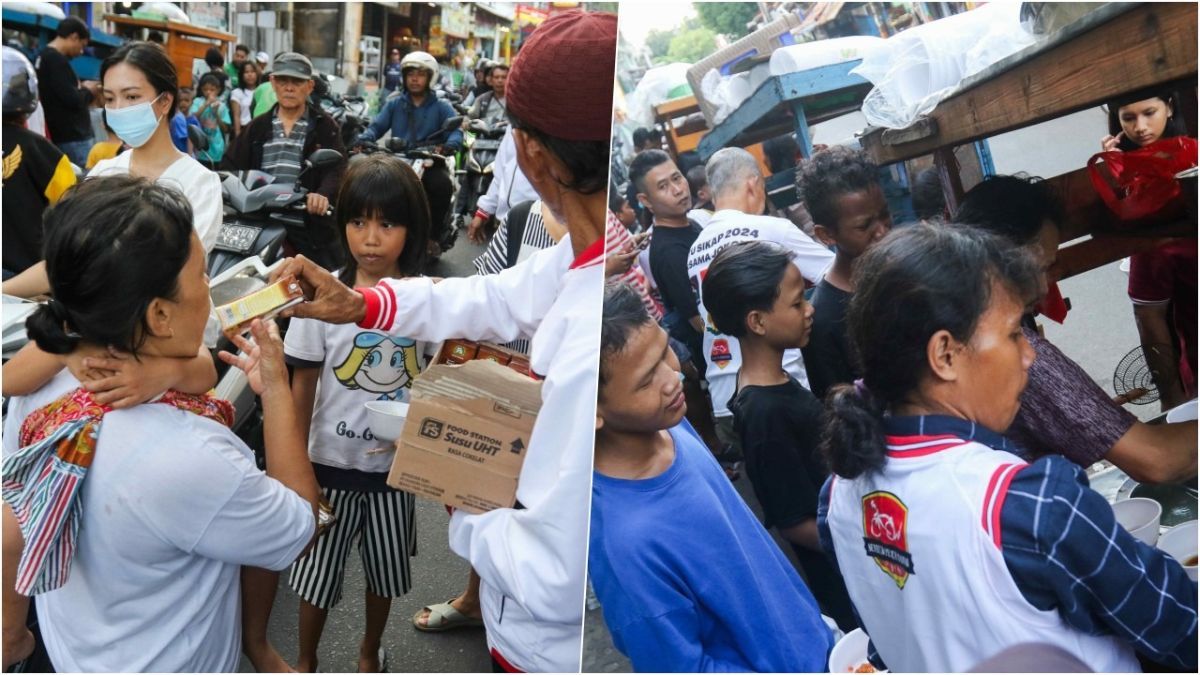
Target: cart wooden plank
[[1146, 45]]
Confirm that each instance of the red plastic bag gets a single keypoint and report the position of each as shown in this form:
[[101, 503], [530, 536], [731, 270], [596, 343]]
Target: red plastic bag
[[1139, 183]]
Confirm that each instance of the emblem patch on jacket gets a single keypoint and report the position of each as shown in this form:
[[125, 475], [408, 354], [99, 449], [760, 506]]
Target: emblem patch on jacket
[[720, 353], [885, 530]]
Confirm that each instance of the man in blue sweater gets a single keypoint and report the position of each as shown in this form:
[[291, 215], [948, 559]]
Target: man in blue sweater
[[417, 115], [688, 579]]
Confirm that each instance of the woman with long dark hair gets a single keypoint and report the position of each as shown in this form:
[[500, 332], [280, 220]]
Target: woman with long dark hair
[[140, 88], [952, 547], [1162, 281], [136, 522]]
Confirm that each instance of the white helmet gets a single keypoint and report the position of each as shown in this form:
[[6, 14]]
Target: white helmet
[[423, 60]]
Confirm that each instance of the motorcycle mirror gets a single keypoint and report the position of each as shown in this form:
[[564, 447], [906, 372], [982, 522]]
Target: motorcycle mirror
[[453, 123], [197, 137], [324, 157]]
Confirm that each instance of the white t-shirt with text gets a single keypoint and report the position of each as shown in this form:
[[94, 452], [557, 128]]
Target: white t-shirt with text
[[722, 354]]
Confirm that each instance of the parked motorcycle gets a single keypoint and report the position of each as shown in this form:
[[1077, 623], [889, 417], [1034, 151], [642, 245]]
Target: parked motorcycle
[[259, 213], [350, 112], [421, 157], [477, 174]]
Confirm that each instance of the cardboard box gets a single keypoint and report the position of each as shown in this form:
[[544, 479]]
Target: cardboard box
[[466, 435]]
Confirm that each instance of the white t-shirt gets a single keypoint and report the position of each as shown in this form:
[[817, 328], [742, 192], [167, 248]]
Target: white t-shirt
[[173, 506], [357, 366], [722, 354], [201, 186], [19, 407], [245, 101]]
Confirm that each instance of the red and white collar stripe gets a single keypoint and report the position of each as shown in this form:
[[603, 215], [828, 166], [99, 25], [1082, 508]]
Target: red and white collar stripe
[[908, 447], [993, 498], [592, 255]]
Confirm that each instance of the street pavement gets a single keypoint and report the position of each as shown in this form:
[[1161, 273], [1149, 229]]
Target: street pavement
[[437, 573]]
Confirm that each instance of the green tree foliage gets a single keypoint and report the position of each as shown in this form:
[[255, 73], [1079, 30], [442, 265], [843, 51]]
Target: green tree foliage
[[727, 18], [658, 42], [691, 45]]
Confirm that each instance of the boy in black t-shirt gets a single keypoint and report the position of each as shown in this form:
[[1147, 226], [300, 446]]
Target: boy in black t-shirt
[[754, 292], [840, 187]]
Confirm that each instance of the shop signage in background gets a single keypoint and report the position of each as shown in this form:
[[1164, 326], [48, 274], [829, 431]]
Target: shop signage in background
[[485, 31], [456, 20], [208, 14], [437, 40], [531, 16], [501, 10]]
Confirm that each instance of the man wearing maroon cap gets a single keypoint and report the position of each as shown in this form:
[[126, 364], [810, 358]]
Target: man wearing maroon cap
[[531, 559]]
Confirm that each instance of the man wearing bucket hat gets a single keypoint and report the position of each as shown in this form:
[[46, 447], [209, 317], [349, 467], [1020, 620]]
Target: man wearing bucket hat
[[532, 559], [279, 141]]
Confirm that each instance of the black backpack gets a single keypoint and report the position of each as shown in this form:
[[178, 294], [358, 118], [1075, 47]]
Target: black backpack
[[517, 216]]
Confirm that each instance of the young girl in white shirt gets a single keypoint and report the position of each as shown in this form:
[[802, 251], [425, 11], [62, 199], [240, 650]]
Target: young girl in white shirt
[[384, 217]]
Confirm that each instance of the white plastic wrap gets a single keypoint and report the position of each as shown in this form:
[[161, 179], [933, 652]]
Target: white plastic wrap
[[728, 93], [914, 70], [809, 55], [654, 88]]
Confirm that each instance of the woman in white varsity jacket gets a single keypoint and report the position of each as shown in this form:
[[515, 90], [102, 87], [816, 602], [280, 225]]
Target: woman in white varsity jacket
[[531, 560], [953, 548]]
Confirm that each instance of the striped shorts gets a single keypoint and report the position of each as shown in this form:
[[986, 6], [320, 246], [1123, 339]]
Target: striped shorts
[[383, 525]]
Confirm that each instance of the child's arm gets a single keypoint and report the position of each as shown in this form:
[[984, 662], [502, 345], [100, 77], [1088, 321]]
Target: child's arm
[[28, 370], [803, 533], [18, 641], [137, 381], [304, 395], [116, 379], [30, 283]]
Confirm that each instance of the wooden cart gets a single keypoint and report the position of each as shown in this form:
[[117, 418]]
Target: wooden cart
[[1116, 50], [684, 128], [184, 42], [792, 103]]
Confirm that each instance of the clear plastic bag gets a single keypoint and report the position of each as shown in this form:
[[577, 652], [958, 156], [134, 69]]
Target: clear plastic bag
[[915, 69], [655, 87]]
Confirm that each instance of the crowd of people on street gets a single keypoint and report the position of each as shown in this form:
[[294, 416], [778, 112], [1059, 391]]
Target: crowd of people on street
[[854, 368], [917, 446], [167, 557]]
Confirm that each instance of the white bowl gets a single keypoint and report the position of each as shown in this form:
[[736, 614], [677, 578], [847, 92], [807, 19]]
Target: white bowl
[[1140, 517], [849, 652], [386, 418], [1183, 412], [1180, 542]]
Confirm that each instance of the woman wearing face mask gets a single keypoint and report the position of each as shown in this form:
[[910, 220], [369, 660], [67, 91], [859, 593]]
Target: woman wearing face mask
[[140, 90]]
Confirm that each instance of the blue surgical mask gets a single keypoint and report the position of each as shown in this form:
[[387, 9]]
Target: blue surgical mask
[[134, 124]]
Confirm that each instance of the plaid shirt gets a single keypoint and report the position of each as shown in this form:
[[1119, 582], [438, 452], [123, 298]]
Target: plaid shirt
[[1066, 552]]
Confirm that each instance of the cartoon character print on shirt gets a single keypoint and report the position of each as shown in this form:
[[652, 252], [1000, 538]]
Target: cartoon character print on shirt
[[885, 524], [381, 365]]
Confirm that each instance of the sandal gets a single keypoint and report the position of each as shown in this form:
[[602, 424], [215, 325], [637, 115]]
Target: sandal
[[442, 617]]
